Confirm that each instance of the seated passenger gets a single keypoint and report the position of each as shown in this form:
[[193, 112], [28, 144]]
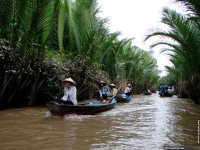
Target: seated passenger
[[169, 91], [70, 92], [104, 91], [114, 90], [128, 90]]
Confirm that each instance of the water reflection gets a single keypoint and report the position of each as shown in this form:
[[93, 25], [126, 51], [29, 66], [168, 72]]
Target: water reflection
[[147, 122]]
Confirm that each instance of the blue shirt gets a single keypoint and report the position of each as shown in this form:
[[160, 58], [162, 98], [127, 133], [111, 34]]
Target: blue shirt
[[104, 90]]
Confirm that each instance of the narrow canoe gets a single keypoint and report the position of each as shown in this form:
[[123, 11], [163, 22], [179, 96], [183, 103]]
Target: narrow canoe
[[165, 94], [89, 108], [123, 98]]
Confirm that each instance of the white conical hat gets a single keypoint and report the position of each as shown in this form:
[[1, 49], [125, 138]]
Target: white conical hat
[[129, 84], [69, 80], [102, 82], [112, 84]]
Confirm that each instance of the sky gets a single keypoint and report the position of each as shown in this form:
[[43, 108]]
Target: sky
[[135, 19]]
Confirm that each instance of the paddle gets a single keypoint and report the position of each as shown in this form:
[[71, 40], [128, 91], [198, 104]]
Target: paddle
[[110, 101], [119, 87]]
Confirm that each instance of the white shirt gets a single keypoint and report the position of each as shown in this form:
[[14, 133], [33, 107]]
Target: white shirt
[[127, 90], [170, 91], [70, 95]]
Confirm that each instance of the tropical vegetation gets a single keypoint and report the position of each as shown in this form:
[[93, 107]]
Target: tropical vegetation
[[44, 41], [181, 38]]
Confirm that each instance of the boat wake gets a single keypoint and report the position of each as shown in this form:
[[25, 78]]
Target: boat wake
[[48, 114], [73, 117], [70, 117]]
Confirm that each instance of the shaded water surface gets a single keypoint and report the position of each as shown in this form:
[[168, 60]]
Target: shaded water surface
[[146, 123]]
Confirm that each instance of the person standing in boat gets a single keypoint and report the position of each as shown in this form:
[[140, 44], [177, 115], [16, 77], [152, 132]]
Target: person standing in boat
[[70, 92], [128, 90], [113, 90], [104, 91]]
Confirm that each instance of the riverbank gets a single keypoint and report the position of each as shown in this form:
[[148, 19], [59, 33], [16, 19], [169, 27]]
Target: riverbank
[[36, 55]]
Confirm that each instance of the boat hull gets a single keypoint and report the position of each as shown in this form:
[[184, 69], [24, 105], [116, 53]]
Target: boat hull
[[122, 98], [165, 95], [90, 108]]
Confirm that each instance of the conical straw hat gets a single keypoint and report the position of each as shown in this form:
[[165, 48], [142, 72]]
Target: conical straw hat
[[69, 80], [129, 84], [102, 82], [112, 84]]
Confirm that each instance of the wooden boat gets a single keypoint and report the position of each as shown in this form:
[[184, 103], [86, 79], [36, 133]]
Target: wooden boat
[[123, 98], [89, 108], [165, 95], [164, 92]]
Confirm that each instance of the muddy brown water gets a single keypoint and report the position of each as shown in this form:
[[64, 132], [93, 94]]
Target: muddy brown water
[[146, 123]]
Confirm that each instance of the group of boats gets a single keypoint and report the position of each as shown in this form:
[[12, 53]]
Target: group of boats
[[86, 108], [94, 107]]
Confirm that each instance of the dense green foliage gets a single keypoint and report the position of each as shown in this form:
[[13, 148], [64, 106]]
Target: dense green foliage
[[43, 41], [182, 40]]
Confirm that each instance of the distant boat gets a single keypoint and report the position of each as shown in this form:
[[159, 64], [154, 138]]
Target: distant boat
[[123, 98], [88, 108], [164, 92]]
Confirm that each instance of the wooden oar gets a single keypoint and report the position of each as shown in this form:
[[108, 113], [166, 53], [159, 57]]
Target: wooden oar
[[119, 88]]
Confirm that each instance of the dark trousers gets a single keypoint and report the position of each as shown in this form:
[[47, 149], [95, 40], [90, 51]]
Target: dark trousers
[[65, 102], [128, 94], [104, 96]]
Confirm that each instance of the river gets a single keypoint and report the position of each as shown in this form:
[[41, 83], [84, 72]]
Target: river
[[146, 123]]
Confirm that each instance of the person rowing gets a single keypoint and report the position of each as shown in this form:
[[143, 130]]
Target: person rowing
[[113, 90], [70, 92]]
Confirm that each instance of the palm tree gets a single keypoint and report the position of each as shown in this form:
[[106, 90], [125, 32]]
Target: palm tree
[[182, 38], [71, 32]]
